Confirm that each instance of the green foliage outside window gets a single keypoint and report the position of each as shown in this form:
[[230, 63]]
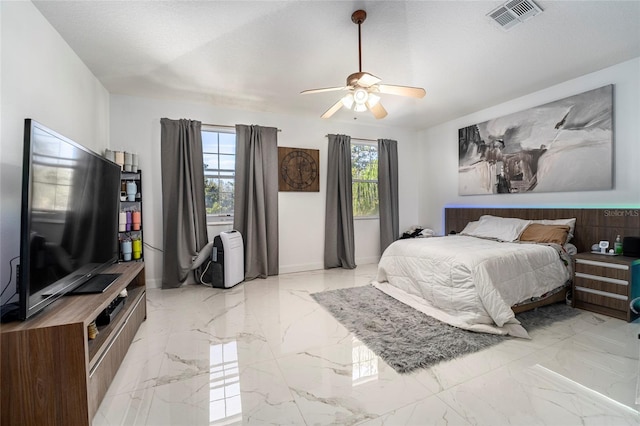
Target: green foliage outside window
[[364, 173], [218, 196]]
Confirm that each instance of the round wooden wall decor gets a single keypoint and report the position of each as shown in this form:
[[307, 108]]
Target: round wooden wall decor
[[298, 169]]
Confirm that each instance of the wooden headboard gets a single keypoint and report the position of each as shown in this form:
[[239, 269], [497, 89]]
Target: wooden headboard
[[592, 225]]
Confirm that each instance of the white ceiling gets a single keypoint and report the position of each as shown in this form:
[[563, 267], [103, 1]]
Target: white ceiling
[[258, 55]]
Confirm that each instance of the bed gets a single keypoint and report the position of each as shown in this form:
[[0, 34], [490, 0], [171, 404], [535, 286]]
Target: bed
[[478, 277]]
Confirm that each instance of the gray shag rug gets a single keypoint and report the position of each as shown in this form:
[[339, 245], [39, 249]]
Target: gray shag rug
[[408, 339]]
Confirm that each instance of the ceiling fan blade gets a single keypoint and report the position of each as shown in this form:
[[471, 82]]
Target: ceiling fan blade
[[332, 110], [414, 92], [326, 89], [364, 79], [377, 110]]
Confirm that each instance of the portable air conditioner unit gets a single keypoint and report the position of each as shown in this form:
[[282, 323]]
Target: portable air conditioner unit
[[227, 260]]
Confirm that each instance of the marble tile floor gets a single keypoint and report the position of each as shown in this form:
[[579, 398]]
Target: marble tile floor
[[265, 353]]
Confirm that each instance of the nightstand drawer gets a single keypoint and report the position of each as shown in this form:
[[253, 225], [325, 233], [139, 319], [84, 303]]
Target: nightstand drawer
[[602, 298], [605, 284], [614, 271]]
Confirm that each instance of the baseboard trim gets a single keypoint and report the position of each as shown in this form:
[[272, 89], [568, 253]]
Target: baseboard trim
[[367, 260], [289, 269], [154, 283]]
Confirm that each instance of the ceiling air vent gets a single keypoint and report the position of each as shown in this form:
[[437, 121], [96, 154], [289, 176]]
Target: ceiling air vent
[[514, 12]]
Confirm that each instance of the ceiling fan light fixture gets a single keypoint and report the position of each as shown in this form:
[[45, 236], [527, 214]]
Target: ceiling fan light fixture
[[373, 99], [347, 101], [360, 108], [363, 87], [360, 96]]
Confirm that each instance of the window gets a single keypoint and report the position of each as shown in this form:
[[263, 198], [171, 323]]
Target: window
[[364, 174], [219, 155]]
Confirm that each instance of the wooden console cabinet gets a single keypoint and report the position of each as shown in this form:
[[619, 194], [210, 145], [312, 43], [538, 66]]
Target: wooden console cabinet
[[51, 373], [606, 284]]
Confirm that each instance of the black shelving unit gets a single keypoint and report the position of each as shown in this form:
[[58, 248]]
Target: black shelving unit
[[136, 205]]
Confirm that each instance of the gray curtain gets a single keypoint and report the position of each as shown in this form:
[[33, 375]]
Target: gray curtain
[[339, 245], [256, 198], [184, 218], [388, 192]]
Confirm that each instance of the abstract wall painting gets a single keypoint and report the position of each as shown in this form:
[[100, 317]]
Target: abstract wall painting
[[566, 146]]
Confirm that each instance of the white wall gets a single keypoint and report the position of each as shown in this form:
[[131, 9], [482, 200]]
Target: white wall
[[43, 79], [439, 149], [135, 127]]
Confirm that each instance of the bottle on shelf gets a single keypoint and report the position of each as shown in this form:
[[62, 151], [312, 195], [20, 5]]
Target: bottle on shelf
[[136, 247], [127, 249], [131, 189], [617, 246]]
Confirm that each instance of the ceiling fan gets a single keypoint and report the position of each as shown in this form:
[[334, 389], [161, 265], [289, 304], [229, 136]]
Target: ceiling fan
[[364, 87]]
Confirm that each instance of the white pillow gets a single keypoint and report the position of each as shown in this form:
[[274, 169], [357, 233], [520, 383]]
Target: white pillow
[[571, 222], [500, 228], [471, 226]]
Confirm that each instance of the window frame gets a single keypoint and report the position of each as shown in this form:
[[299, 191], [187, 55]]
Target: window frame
[[219, 218], [354, 180]]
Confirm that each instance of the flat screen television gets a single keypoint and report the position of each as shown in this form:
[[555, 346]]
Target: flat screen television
[[69, 221]]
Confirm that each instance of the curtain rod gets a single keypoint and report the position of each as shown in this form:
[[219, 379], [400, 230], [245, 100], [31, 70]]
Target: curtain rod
[[224, 126], [358, 139]]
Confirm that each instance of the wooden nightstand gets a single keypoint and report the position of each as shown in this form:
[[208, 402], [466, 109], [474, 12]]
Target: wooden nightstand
[[606, 284]]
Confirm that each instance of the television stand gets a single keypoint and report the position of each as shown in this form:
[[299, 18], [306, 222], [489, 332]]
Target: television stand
[[51, 373]]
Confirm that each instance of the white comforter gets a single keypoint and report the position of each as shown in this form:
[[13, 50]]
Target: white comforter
[[470, 282]]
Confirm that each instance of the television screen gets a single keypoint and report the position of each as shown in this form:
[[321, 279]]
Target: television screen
[[69, 229]]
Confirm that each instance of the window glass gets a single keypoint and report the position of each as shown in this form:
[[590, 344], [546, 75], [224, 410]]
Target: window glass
[[219, 157], [364, 173], [228, 162], [227, 143], [210, 162]]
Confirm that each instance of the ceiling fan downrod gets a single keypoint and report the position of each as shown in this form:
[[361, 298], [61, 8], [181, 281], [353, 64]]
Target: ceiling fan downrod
[[358, 17]]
